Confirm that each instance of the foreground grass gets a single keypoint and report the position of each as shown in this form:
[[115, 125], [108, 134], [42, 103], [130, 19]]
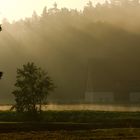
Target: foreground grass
[[70, 116], [70, 125], [99, 134], [68, 120]]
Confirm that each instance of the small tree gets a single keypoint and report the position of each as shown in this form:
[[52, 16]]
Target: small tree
[[33, 86]]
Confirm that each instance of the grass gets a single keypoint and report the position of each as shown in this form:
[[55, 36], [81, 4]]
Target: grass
[[70, 116], [99, 134], [70, 125], [68, 120]]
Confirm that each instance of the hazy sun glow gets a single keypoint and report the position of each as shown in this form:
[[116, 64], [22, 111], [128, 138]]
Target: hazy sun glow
[[17, 9]]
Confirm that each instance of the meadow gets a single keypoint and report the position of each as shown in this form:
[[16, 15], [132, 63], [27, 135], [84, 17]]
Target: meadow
[[73, 120], [79, 116], [99, 134], [70, 125]]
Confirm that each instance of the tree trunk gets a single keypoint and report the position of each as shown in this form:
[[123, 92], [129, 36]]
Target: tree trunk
[[40, 106]]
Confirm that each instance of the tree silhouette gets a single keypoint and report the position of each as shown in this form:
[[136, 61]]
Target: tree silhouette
[[33, 86]]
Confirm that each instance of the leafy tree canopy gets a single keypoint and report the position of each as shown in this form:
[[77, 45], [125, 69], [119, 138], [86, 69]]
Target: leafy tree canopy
[[32, 87]]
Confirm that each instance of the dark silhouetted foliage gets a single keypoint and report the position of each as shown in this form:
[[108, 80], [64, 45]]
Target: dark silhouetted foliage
[[33, 86]]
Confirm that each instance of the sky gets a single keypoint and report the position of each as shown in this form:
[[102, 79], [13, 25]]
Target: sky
[[17, 9]]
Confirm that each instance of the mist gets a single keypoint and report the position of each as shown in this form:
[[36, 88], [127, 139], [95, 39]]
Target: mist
[[64, 41]]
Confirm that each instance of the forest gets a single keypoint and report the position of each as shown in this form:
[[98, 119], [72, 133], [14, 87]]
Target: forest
[[62, 41]]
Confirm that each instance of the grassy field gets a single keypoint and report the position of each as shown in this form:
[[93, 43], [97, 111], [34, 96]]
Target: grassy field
[[71, 116], [70, 125], [99, 134]]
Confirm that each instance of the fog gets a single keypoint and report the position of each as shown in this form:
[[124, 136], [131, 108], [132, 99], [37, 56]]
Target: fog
[[62, 42], [83, 107]]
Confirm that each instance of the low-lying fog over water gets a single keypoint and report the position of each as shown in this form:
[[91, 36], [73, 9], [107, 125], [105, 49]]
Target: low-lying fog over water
[[80, 107]]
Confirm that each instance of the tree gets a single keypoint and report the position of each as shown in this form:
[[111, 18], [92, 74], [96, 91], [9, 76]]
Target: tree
[[32, 87], [34, 17], [44, 12]]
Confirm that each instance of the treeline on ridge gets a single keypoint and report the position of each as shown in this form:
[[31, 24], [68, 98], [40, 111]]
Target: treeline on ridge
[[63, 41]]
